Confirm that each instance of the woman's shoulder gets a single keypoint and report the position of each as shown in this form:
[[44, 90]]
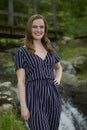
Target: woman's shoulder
[[23, 51], [20, 49]]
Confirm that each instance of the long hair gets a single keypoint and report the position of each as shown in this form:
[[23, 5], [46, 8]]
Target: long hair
[[28, 40]]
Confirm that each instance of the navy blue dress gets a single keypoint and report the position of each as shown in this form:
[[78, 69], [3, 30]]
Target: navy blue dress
[[42, 96]]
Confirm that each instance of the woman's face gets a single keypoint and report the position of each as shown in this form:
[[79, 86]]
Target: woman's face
[[38, 29]]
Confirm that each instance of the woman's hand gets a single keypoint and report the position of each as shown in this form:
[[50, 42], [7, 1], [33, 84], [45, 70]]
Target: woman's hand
[[25, 113], [56, 81]]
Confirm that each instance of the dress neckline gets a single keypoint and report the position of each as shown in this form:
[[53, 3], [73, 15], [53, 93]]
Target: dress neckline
[[43, 59]]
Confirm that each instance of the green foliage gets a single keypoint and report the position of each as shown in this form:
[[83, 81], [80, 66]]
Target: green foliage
[[71, 14], [44, 1], [82, 75], [18, 4], [8, 43], [3, 4], [9, 121], [72, 17], [69, 53]]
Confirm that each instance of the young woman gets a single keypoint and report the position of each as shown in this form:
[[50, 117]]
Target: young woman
[[35, 63]]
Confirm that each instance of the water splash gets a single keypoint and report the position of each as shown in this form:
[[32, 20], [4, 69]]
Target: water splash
[[71, 118]]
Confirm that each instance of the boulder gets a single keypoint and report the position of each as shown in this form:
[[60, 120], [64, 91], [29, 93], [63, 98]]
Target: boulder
[[6, 107], [69, 79], [8, 96], [68, 67], [80, 62]]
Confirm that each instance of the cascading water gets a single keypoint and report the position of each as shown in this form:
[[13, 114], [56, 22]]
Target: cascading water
[[71, 118]]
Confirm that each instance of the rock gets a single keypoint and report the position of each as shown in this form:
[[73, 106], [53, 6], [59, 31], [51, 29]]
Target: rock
[[8, 96], [79, 96], [14, 95], [6, 84], [65, 39], [69, 79], [83, 82], [6, 107], [81, 86], [80, 62], [68, 67], [7, 70], [7, 93]]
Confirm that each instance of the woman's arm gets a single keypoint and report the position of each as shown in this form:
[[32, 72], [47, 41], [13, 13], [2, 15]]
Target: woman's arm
[[58, 73], [21, 91]]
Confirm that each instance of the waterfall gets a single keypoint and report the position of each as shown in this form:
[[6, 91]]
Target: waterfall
[[71, 118]]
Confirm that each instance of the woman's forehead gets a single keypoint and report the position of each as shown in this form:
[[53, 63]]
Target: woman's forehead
[[38, 21]]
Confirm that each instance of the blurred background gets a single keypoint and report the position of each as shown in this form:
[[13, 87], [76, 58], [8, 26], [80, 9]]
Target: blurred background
[[67, 29]]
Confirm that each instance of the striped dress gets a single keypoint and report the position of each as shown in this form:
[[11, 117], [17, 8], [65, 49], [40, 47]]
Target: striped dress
[[42, 96]]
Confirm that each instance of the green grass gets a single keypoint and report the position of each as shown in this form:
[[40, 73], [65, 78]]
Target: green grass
[[69, 53], [9, 121]]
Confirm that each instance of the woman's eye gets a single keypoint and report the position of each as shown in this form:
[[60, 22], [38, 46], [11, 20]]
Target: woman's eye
[[41, 26], [38, 27], [34, 26]]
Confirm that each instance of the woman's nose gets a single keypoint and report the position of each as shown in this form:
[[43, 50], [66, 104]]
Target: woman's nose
[[38, 29]]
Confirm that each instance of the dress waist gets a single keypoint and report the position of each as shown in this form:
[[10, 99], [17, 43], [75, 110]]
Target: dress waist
[[33, 80]]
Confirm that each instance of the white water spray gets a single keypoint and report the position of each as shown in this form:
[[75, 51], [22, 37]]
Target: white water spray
[[71, 118]]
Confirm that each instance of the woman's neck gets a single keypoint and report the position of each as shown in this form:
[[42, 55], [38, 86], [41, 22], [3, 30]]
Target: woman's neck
[[37, 43]]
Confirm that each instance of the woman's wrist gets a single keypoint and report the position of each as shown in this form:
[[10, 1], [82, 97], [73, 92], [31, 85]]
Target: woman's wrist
[[23, 105]]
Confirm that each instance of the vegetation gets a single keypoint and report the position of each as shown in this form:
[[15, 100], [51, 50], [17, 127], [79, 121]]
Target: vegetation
[[9, 121], [8, 43], [71, 14], [82, 75], [69, 53]]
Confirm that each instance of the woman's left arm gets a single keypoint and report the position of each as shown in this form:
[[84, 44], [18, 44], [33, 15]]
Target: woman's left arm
[[58, 73]]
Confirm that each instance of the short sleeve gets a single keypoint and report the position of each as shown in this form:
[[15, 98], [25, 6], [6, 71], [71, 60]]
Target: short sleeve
[[56, 56], [19, 59]]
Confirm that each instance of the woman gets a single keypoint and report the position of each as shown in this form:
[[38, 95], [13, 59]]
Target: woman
[[37, 84]]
